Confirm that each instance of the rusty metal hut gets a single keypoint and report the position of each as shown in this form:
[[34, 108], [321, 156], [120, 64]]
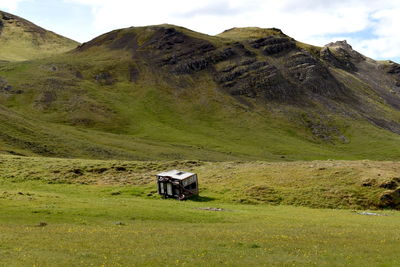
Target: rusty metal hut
[[177, 184]]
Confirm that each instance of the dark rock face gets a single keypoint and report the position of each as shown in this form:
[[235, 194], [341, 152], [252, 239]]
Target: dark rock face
[[199, 63], [253, 78], [341, 55], [394, 70], [169, 37], [244, 74], [338, 62], [6, 16], [302, 73], [311, 75], [182, 54], [273, 67], [272, 45]]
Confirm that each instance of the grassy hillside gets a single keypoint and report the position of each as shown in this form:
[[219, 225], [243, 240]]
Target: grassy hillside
[[113, 98], [23, 40], [153, 120], [247, 33], [86, 212]]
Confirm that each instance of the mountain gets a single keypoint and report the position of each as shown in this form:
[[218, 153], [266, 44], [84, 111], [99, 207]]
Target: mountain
[[166, 92], [23, 40]]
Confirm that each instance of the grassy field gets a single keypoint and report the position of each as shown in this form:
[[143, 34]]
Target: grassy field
[[318, 184], [106, 213]]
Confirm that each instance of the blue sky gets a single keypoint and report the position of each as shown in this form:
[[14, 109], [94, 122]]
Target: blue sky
[[370, 26]]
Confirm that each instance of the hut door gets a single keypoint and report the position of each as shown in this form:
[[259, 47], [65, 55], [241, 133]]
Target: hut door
[[169, 189], [162, 188], [166, 188]]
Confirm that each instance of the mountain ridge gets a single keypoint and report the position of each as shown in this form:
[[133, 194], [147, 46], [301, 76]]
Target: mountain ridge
[[20, 39], [172, 93]]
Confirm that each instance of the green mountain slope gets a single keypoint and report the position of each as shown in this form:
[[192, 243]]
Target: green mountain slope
[[165, 92], [23, 40]]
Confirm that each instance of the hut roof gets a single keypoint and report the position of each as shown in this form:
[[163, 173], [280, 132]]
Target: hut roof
[[175, 174]]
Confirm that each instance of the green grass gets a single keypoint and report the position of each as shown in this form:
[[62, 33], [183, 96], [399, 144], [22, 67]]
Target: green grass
[[318, 184], [248, 33], [163, 116], [119, 225], [155, 120], [66, 211]]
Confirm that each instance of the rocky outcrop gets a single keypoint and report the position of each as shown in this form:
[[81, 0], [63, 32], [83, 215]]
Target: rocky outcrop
[[5, 88], [390, 199], [394, 70], [323, 128], [104, 78], [340, 44], [338, 62], [20, 22], [254, 78], [307, 72], [196, 63], [341, 55], [6, 16], [245, 74], [182, 54], [392, 183], [272, 45], [271, 67]]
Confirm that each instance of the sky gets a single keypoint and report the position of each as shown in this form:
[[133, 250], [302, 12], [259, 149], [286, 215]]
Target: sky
[[370, 26]]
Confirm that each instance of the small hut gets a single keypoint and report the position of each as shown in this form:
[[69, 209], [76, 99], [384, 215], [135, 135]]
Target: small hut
[[177, 184]]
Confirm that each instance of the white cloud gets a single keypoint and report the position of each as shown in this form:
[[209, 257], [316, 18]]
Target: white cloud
[[312, 21], [10, 5]]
